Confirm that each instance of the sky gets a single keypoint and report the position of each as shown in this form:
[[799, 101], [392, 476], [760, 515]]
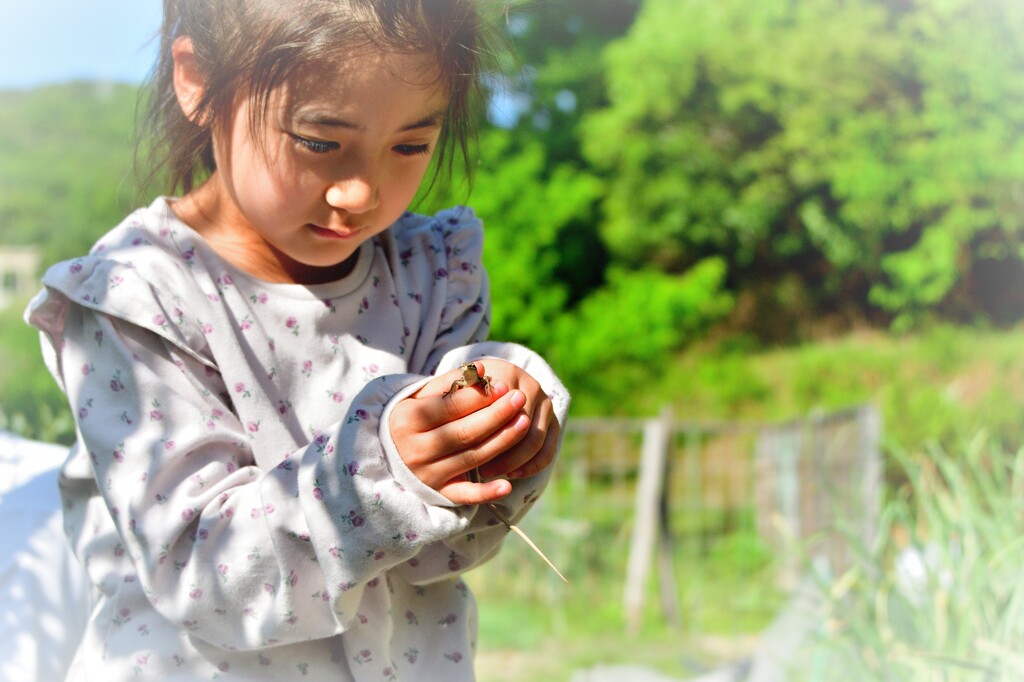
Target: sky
[[54, 41]]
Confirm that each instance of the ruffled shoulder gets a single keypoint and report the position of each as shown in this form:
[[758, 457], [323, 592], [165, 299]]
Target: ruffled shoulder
[[446, 249], [139, 272]]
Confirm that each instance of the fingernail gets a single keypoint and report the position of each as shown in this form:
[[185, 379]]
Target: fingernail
[[522, 422], [518, 399]]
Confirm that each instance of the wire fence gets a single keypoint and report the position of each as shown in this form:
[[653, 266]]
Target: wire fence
[[693, 523]]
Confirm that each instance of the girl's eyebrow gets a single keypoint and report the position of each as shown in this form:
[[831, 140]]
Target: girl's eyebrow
[[433, 120]]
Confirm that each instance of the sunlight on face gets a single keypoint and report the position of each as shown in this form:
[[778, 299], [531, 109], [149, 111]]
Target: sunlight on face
[[343, 151]]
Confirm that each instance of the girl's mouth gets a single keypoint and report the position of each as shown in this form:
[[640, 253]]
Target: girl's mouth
[[325, 233]]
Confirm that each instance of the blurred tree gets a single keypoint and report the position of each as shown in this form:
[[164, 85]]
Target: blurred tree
[[556, 78], [873, 147]]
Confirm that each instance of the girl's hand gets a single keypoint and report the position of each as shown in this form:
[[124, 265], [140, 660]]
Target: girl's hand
[[510, 430]]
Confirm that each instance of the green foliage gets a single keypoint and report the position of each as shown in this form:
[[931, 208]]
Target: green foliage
[[937, 386], [527, 210], [31, 404], [868, 146], [938, 595], [631, 326], [65, 165]]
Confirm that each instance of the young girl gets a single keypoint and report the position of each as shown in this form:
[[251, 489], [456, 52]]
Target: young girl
[[272, 477]]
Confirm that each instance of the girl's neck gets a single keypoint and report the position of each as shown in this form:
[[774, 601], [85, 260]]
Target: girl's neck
[[202, 209]]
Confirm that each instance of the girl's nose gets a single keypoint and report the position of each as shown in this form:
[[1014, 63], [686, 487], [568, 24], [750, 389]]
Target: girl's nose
[[356, 194]]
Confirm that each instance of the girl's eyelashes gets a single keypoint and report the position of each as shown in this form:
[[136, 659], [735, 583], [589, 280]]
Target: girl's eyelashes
[[315, 146], [323, 147], [412, 149]]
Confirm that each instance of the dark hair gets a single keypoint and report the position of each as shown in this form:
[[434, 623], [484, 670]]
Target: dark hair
[[252, 47]]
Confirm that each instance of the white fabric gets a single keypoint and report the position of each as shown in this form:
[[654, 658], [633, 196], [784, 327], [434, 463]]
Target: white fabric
[[44, 593]]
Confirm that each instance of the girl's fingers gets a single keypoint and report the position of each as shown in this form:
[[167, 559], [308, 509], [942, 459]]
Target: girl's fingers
[[533, 452], [463, 460], [466, 492]]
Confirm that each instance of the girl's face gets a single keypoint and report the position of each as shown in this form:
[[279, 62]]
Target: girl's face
[[340, 158]]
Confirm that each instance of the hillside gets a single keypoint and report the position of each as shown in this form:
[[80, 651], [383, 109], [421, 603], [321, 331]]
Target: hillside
[[65, 164]]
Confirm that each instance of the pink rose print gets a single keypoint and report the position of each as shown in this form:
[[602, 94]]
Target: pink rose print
[[222, 571], [307, 368], [364, 656], [450, 619], [292, 324], [115, 382], [195, 592], [453, 563], [454, 656], [263, 659], [411, 655], [358, 416], [364, 305], [411, 618]]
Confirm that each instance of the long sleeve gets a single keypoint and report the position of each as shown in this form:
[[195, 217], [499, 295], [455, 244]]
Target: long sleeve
[[231, 472], [458, 328], [206, 529]]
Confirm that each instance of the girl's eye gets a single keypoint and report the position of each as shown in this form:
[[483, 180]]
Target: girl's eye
[[316, 146], [412, 149]]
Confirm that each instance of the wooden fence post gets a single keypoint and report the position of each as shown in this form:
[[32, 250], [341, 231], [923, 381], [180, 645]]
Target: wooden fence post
[[646, 517]]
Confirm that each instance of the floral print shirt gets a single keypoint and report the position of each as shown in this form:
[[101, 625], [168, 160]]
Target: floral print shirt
[[234, 493]]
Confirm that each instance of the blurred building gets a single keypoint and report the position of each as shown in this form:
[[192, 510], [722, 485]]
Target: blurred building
[[19, 266]]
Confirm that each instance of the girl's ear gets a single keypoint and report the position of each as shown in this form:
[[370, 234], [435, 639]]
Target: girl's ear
[[189, 82]]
